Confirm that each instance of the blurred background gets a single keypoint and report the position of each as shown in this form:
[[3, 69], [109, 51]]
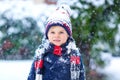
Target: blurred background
[[96, 29]]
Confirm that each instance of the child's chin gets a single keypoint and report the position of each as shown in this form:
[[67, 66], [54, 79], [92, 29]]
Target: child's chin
[[57, 44]]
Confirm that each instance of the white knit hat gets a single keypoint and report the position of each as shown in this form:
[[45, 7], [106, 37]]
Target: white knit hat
[[60, 17]]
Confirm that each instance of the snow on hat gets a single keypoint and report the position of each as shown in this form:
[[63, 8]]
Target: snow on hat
[[61, 17]]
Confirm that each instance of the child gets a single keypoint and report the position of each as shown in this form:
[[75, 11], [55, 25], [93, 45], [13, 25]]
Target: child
[[58, 58]]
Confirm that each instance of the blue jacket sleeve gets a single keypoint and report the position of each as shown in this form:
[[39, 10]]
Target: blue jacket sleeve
[[82, 71], [32, 73]]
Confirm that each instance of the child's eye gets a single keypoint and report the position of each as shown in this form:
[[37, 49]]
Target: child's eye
[[52, 32], [61, 32]]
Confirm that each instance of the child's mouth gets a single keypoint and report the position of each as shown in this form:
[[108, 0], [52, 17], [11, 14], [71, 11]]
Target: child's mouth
[[56, 40]]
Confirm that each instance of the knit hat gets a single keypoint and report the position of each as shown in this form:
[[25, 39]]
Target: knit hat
[[60, 17]]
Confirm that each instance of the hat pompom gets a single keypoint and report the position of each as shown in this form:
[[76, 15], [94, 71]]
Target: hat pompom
[[66, 8]]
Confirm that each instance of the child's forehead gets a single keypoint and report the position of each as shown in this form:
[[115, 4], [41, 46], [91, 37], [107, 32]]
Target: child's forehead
[[57, 27]]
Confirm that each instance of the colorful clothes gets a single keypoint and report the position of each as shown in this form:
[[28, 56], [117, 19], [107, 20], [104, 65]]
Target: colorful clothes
[[58, 62]]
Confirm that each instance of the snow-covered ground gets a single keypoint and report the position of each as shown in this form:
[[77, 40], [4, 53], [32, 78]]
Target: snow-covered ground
[[14, 70], [112, 70]]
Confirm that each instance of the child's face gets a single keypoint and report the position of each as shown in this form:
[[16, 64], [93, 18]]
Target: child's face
[[57, 35]]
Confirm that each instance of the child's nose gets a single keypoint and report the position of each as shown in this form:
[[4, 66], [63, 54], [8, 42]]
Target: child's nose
[[56, 35]]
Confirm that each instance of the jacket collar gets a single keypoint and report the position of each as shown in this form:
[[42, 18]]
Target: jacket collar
[[57, 50]]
